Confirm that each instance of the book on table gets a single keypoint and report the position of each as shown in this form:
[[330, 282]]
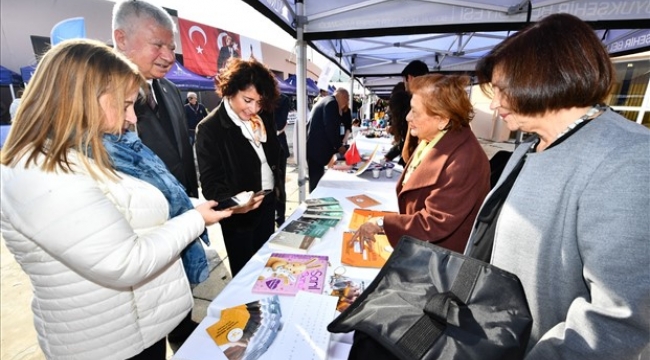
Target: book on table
[[286, 241], [360, 216], [324, 208], [246, 331], [320, 222], [306, 228], [321, 201], [286, 274], [338, 215]]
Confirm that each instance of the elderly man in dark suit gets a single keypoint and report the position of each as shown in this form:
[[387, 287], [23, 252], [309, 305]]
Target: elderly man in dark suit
[[145, 34], [325, 134]]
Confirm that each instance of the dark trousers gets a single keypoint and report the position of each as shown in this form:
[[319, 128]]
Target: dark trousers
[[242, 243], [153, 352], [316, 171], [281, 202]]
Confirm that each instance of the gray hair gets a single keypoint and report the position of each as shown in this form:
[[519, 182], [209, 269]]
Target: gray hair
[[126, 12]]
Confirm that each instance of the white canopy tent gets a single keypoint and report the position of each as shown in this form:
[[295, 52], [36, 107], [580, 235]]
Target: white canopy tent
[[375, 39]]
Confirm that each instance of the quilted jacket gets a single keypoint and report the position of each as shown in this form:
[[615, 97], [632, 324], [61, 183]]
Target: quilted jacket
[[102, 257]]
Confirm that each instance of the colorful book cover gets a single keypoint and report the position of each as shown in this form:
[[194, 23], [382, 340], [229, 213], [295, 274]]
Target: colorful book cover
[[369, 254], [286, 274], [320, 222], [323, 214], [246, 331], [360, 216], [292, 242], [347, 290], [306, 228], [321, 201], [331, 207]]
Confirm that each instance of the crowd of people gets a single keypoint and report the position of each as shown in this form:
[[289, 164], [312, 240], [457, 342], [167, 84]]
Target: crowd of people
[[102, 137]]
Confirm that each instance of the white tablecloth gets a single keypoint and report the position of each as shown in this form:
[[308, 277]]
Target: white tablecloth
[[336, 184]]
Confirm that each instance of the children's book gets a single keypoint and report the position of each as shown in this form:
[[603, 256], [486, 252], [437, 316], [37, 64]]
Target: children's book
[[321, 201], [286, 274], [320, 222], [246, 331], [365, 254], [338, 215], [287, 241], [360, 216]]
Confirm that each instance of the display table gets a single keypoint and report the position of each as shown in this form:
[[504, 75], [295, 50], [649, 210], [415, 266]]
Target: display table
[[333, 184]]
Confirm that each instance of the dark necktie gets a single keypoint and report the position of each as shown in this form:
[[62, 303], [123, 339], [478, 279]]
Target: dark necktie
[[151, 100]]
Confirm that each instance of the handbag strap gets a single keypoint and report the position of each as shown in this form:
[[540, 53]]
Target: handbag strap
[[417, 340]]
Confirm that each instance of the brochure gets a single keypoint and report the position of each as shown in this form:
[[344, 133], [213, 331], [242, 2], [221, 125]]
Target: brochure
[[246, 331], [371, 254]]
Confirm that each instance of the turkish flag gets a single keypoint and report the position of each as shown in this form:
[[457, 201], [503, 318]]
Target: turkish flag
[[199, 42]]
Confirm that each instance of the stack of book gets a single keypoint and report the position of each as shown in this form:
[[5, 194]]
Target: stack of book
[[299, 235]]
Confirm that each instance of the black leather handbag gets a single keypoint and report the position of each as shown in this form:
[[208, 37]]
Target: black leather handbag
[[428, 302]]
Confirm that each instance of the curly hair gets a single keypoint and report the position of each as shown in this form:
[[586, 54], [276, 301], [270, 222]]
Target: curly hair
[[239, 75]]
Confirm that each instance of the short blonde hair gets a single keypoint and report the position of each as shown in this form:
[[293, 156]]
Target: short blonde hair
[[60, 109]]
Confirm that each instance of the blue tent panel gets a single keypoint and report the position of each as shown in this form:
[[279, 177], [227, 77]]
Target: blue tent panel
[[8, 77], [27, 72], [311, 85], [285, 87], [311, 90], [187, 80]]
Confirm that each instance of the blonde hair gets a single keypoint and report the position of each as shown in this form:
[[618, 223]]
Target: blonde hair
[[60, 108]]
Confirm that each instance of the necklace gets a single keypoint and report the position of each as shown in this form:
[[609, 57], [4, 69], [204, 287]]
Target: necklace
[[593, 111], [253, 141]]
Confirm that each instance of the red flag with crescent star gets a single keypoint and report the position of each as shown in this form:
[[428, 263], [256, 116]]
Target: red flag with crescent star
[[204, 46]]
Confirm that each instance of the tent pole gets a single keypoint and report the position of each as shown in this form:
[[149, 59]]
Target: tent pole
[[301, 92]]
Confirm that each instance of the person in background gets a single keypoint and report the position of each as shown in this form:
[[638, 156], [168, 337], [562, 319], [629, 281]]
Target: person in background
[[569, 214], [398, 107], [355, 128], [324, 134], [321, 94], [281, 114], [414, 69], [13, 108], [238, 150], [449, 164], [84, 227], [145, 34], [194, 112]]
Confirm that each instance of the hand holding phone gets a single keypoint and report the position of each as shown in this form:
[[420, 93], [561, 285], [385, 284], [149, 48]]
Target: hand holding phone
[[232, 202], [263, 192]]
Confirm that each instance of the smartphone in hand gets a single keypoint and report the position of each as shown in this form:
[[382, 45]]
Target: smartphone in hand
[[238, 200], [263, 192]]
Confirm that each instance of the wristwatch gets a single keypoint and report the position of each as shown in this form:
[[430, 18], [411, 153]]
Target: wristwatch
[[380, 222]]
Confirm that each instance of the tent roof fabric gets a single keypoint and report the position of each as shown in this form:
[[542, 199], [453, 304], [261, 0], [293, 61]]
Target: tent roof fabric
[[378, 38], [8, 77], [187, 80]]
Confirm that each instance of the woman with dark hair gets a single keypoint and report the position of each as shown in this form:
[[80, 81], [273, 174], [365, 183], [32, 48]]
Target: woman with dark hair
[[448, 176], [568, 215], [238, 150], [398, 107]]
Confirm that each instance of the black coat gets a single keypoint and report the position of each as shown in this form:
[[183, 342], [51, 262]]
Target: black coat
[[156, 131], [228, 164], [324, 138]]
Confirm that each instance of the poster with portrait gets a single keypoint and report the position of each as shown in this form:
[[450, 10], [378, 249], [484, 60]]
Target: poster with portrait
[[206, 49]]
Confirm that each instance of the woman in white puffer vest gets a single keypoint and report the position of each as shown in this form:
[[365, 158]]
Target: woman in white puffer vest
[[97, 244]]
